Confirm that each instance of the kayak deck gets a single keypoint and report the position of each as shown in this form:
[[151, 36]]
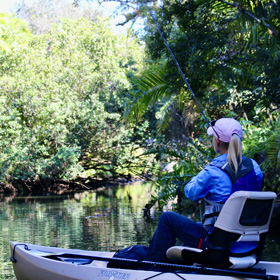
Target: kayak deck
[[32, 262]]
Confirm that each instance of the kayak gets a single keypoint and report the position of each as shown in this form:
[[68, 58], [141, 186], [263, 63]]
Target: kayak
[[34, 262]]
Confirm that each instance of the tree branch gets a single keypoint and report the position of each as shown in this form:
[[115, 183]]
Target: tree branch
[[243, 11]]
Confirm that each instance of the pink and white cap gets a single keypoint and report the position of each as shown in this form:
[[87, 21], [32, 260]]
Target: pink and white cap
[[224, 128]]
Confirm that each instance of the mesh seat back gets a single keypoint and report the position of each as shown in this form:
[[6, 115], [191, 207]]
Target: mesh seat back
[[247, 213]]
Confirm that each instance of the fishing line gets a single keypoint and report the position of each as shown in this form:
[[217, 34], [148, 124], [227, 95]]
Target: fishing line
[[180, 69]]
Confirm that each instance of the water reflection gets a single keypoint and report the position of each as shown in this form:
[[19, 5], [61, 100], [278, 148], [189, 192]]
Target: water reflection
[[107, 219]]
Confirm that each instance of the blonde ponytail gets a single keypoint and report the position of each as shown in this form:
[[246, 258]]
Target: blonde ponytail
[[234, 156]]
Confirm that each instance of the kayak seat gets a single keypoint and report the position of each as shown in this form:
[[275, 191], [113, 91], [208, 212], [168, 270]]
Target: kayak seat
[[238, 237]]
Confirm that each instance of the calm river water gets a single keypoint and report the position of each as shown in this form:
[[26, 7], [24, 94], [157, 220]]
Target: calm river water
[[106, 219]]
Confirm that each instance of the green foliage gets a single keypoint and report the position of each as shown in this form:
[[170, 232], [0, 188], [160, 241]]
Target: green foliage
[[229, 51], [225, 48], [274, 149], [226, 68], [151, 90], [151, 87], [65, 92], [62, 101], [27, 164], [179, 163], [13, 32], [262, 144]]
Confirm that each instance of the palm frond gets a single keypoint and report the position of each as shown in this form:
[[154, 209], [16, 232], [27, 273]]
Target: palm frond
[[151, 86], [164, 115]]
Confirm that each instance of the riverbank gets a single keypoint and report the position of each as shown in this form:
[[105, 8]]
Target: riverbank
[[59, 187]]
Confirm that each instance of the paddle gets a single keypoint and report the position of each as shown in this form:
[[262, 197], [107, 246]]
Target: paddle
[[142, 263]]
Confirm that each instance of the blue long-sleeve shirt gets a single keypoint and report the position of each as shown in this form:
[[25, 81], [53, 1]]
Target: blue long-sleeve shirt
[[213, 183]]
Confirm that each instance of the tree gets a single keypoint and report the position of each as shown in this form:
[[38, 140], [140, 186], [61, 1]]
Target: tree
[[229, 52], [62, 103]]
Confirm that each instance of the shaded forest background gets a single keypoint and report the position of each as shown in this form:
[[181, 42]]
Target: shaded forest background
[[82, 105]]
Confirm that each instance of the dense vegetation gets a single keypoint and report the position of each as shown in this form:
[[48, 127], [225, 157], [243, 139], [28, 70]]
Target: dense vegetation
[[62, 101], [79, 103], [230, 52]]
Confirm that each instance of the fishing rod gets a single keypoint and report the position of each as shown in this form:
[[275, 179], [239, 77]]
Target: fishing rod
[[178, 65]]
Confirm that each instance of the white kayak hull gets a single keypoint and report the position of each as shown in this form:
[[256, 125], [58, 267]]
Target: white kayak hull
[[30, 263]]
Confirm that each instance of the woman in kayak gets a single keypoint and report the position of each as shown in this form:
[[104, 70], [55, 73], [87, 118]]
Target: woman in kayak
[[227, 173]]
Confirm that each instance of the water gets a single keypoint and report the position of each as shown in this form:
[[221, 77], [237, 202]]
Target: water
[[106, 220]]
